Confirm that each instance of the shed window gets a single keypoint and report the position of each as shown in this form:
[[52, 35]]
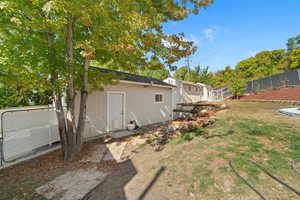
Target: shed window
[[158, 98]]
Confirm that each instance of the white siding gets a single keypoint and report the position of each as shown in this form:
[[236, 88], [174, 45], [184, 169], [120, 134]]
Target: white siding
[[139, 106], [183, 94]]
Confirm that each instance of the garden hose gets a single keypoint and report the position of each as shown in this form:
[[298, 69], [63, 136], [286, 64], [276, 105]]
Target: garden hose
[[246, 182], [275, 178], [269, 174]]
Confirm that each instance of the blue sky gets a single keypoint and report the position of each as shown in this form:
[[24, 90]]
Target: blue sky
[[231, 30]]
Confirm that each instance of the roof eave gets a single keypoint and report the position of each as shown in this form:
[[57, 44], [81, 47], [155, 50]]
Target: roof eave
[[145, 84]]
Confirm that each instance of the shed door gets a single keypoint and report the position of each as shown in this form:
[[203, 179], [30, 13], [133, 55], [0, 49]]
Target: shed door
[[115, 111]]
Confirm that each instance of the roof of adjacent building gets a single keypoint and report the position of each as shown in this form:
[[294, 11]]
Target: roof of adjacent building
[[191, 83], [134, 78]]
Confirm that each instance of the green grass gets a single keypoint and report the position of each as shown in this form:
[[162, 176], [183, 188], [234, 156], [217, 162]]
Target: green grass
[[271, 145], [202, 177], [185, 137], [199, 165], [249, 133]]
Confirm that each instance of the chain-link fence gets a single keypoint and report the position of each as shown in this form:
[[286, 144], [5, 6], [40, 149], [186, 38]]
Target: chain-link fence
[[286, 79]]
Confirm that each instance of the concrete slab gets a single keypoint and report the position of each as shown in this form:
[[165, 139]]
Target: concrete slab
[[121, 134], [73, 185], [293, 112], [115, 150]]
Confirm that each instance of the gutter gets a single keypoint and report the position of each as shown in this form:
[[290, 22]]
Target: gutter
[[146, 84]]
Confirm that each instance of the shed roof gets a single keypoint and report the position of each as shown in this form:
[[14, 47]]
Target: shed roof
[[134, 78]]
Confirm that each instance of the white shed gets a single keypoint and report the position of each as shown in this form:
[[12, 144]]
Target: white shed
[[139, 98]]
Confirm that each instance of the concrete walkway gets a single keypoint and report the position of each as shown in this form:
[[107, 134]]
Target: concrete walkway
[[72, 185], [75, 184]]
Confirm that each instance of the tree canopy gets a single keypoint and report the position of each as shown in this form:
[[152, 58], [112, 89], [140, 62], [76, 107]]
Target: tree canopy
[[50, 44], [195, 74]]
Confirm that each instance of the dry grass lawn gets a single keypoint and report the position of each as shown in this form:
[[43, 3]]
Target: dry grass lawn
[[196, 167]]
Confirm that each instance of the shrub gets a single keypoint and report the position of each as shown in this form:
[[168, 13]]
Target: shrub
[[237, 87]]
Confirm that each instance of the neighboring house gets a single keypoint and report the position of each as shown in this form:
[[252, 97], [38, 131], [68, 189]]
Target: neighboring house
[[143, 99], [186, 91]]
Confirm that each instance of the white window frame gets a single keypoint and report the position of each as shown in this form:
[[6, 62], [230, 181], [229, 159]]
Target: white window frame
[[162, 97]]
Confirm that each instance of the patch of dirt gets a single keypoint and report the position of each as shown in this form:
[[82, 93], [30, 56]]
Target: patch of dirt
[[281, 94], [14, 179], [133, 145]]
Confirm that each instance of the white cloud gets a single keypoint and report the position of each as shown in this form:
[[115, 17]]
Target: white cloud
[[194, 39], [209, 33]]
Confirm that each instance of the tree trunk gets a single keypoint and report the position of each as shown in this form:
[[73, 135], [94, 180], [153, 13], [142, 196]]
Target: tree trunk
[[57, 95], [82, 109], [70, 95], [70, 134], [60, 114]]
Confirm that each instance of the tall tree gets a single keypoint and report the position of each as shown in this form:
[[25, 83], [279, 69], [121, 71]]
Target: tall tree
[[291, 60], [159, 74], [264, 63], [182, 73], [50, 43], [224, 77], [196, 74], [293, 43]]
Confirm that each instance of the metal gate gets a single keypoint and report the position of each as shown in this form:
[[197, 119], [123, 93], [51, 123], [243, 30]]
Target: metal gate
[[25, 131]]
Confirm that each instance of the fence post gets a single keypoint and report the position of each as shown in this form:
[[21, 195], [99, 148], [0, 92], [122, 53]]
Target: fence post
[[271, 82]]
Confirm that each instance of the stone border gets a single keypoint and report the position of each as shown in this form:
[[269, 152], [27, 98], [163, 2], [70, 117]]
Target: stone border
[[291, 102]]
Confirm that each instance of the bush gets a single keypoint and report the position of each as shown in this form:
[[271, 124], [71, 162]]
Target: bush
[[237, 87]]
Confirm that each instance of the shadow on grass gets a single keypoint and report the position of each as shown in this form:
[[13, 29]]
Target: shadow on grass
[[218, 135], [154, 179]]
